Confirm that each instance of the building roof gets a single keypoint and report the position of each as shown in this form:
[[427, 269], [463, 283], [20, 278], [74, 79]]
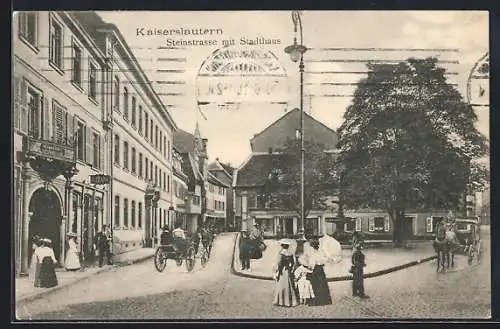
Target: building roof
[[215, 181], [184, 142], [275, 135], [219, 166], [255, 171]]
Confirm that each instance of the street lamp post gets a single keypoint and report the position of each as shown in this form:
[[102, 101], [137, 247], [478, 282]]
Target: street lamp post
[[296, 52]]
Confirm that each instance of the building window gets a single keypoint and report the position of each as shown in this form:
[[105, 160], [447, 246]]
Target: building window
[[156, 175], [161, 142], [146, 127], [117, 150], [161, 181], [379, 224], [358, 224], [28, 27], [56, 44], [164, 181], [117, 211], [168, 150], [132, 218], [116, 104], [156, 137], [371, 224], [125, 213], [350, 224], [151, 171], [168, 183], [139, 215], [151, 135], [223, 206], [80, 141], [146, 162], [34, 112], [97, 150], [140, 164], [134, 112], [387, 224], [125, 155], [92, 81], [133, 160], [140, 119], [164, 150], [77, 66], [125, 103]]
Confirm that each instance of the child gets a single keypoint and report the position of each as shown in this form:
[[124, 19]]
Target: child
[[302, 282], [358, 262]]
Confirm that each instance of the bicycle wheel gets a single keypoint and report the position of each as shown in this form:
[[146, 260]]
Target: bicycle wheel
[[190, 260], [159, 260]]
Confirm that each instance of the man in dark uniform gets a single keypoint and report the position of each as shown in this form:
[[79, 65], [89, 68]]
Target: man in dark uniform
[[358, 263], [245, 251], [104, 240], [165, 236]]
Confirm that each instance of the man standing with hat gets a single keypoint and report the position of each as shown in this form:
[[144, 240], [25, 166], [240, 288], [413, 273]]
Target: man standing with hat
[[104, 240], [358, 263]]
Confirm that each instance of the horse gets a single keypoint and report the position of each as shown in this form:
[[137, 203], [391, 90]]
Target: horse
[[442, 248]]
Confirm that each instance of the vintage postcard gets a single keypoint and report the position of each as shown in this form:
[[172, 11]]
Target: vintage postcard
[[183, 165]]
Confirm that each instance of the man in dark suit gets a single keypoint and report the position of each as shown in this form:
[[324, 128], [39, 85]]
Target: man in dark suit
[[104, 240]]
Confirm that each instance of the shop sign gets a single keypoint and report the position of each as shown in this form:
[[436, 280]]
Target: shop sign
[[100, 179], [51, 150]]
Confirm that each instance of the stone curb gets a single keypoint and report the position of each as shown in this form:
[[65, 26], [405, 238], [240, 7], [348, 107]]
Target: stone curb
[[37, 295], [334, 279]]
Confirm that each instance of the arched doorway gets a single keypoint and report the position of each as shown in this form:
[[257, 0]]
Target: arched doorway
[[45, 219]]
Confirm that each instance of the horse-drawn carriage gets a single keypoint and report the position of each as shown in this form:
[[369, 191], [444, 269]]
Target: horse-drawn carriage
[[468, 232], [187, 253]]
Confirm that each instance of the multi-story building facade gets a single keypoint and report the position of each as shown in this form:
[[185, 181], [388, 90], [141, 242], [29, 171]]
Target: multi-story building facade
[[180, 190], [58, 135], [193, 151], [224, 173], [216, 200], [139, 134]]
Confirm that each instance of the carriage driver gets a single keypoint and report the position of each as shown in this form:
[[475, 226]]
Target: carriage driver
[[179, 236], [165, 236]]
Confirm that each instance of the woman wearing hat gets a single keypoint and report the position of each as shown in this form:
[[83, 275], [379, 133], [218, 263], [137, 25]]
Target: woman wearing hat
[[34, 272], [318, 276], [285, 293], [47, 261], [72, 262]]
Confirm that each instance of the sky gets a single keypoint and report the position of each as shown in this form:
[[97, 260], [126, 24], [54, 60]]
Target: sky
[[463, 34]]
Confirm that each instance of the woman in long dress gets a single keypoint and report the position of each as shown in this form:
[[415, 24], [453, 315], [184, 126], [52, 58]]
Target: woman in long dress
[[285, 293], [47, 261], [72, 262], [318, 277], [34, 272]]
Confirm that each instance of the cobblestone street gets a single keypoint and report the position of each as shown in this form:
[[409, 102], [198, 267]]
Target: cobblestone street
[[139, 292]]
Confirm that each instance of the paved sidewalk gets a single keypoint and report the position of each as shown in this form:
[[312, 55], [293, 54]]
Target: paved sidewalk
[[24, 289], [379, 258]]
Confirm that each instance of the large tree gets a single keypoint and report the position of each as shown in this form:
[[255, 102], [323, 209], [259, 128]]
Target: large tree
[[282, 189], [407, 141]]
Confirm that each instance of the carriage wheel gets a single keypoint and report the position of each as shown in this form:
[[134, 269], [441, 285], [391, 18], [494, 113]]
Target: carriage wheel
[[159, 260], [204, 258], [190, 259]]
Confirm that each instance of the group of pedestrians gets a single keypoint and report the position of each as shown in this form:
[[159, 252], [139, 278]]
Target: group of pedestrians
[[300, 279]]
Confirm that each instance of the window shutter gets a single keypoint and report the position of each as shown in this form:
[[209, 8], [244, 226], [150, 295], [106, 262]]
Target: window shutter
[[387, 224], [23, 106], [429, 224], [47, 119], [101, 153], [17, 91], [88, 146], [371, 224], [58, 126]]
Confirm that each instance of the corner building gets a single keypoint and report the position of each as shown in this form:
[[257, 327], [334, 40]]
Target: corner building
[[58, 134]]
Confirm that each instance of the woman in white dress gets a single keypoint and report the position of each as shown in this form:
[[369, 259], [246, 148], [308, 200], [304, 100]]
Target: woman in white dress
[[48, 263], [302, 273], [72, 262], [34, 270]]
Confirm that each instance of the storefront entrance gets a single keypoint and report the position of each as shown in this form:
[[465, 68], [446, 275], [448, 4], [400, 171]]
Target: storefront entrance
[[45, 219]]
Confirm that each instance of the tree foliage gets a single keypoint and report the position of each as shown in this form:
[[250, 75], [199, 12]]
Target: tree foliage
[[407, 140], [320, 178]]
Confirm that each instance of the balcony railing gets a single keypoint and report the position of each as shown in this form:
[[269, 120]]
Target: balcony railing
[[50, 149]]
